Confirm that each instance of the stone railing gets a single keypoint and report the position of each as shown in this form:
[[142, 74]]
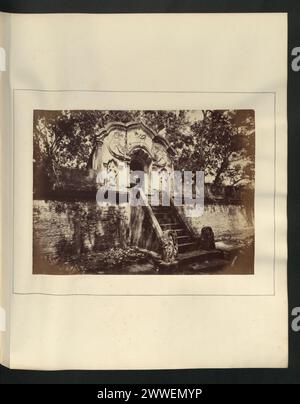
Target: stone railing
[[147, 234]]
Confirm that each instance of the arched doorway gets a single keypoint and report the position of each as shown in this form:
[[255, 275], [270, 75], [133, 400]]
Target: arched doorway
[[139, 168]]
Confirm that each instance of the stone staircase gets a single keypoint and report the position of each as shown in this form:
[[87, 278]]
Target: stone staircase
[[189, 250]]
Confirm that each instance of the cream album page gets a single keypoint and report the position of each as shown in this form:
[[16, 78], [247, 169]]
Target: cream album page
[[144, 166]]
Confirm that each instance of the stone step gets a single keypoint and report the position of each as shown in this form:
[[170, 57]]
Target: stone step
[[160, 209], [182, 232], [200, 255], [183, 243], [184, 238], [160, 213], [185, 247], [163, 222], [168, 220], [179, 231], [165, 216], [171, 226]]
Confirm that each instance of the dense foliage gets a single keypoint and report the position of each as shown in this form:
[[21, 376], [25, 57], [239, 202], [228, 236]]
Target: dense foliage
[[220, 142]]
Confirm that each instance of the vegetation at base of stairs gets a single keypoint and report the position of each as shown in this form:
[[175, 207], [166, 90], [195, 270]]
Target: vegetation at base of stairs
[[114, 259]]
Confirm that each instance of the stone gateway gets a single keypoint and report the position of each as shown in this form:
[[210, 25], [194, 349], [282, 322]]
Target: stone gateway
[[164, 232]]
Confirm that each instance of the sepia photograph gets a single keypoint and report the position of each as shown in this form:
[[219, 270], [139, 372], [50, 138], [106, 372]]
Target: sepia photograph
[[145, 197], [156, 192]]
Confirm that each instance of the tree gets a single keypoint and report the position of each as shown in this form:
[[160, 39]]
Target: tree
[[227, 143], [221, 142], [66, 138]]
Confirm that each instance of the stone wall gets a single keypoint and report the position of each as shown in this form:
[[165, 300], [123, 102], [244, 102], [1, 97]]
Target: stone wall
[[234, 222], [62, 229]]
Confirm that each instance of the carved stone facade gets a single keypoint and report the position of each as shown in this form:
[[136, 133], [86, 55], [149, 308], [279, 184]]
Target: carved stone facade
[[123, 148], [123, 151]]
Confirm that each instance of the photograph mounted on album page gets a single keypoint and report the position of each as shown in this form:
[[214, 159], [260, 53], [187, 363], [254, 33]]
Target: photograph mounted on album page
[[144, 191]]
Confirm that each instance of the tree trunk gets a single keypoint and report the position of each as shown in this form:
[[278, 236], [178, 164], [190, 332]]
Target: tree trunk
[[221, 170]]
